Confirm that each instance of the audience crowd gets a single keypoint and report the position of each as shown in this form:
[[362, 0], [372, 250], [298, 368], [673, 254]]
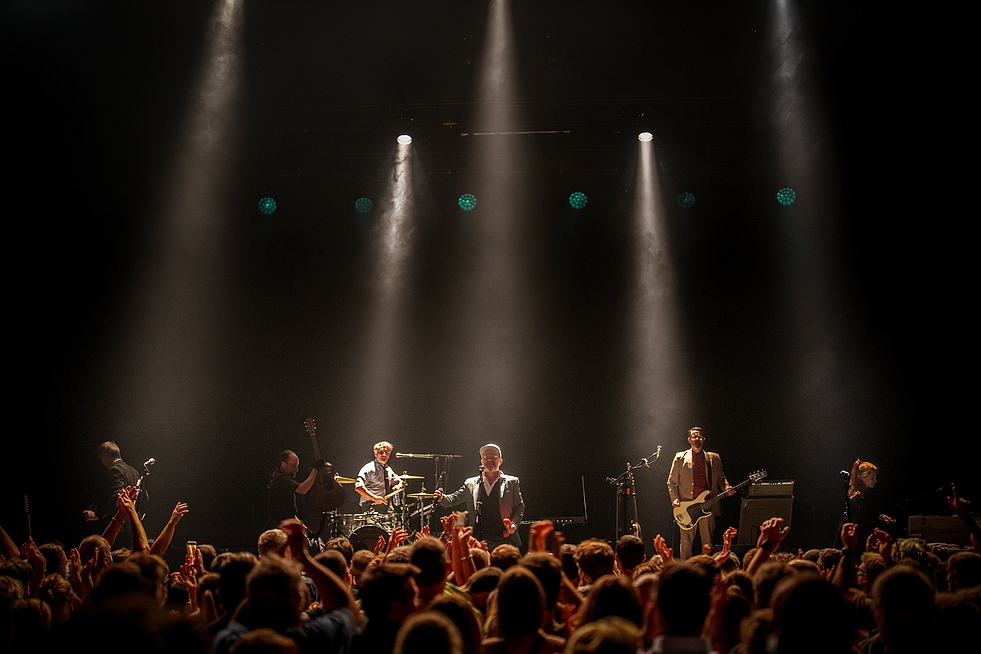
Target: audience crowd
[[449, 595]]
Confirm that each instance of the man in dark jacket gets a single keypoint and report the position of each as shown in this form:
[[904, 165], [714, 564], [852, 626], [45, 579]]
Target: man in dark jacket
[[119, 475]]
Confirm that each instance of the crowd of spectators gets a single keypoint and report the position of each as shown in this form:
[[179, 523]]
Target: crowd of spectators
[[449, 595]]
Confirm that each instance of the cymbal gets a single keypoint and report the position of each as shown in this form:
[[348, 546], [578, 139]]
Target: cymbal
[[421, 496], [344, 480], [410, 477]]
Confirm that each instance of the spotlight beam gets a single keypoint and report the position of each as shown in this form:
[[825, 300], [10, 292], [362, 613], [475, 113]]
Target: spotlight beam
[[658, 386], [174, 335]]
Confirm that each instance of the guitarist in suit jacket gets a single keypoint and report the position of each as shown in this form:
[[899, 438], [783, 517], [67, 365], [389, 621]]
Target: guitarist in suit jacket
[[693, 471]]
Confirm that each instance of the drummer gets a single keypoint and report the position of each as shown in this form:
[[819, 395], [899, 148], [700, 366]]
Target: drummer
[[376, 481]]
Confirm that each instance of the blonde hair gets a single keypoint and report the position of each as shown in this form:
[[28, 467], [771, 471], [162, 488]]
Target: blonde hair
[[860, 470], [866, 468]]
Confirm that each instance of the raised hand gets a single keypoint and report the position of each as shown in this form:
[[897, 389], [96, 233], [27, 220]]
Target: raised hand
[[661, 547], [727, 537], [538, 535], [425, 533], [179, 512], [770, 532], [849, 535], [189, 576], [34, 556], [880, 542], [558, 540], [87, 571], [296, 537], [398, 536], [960, 506], [125, 501], [74, 563]]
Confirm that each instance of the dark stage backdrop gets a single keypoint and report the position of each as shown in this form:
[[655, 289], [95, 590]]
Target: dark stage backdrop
[[213, 370]]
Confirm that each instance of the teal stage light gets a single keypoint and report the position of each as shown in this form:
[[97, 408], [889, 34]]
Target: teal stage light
[[267, 206], [577, 200], [786, 196], [686, 200], [363, 205], [467, 202]]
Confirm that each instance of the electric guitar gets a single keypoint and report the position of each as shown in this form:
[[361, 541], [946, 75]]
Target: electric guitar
[[689, 513], [326, 494]]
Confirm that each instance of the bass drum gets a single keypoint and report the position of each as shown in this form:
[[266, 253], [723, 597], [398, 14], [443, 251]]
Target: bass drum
[[366, 537]]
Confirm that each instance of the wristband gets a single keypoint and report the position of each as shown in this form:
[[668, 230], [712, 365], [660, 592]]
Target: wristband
[[115, 519], [766, 546]]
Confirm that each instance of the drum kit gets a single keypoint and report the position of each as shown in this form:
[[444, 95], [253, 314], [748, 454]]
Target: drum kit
[[409, 511]]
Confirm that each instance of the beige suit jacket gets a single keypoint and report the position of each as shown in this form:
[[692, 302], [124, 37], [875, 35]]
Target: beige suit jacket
[[681, 482]]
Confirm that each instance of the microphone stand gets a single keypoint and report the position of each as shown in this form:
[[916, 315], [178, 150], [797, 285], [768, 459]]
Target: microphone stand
[[139, 483], [846, 516], [627, 495], [478, 527], [442, 462]]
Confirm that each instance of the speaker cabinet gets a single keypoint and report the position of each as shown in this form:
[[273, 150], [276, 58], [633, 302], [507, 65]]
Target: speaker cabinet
[[755, 511]]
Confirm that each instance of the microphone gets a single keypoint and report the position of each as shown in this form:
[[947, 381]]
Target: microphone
[[646, 461], [149, 462], [845, 475], [441, 481], [409, 455]]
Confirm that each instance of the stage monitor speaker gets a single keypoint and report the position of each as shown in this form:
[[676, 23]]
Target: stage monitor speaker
[[756, 510], [940, 529]]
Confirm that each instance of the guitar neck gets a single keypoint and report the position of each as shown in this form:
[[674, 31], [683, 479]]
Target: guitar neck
[[312, 430], [718, 498]]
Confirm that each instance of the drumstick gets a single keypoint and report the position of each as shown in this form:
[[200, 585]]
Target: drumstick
[[393, 493]]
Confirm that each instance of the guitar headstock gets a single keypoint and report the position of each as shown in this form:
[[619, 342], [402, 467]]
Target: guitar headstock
[[311, 426], [756, 476]]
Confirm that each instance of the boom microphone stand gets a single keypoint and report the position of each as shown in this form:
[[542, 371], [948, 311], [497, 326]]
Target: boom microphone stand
[[627, 496]]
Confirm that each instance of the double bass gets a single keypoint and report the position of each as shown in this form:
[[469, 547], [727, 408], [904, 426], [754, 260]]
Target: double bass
[[326, 494]]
